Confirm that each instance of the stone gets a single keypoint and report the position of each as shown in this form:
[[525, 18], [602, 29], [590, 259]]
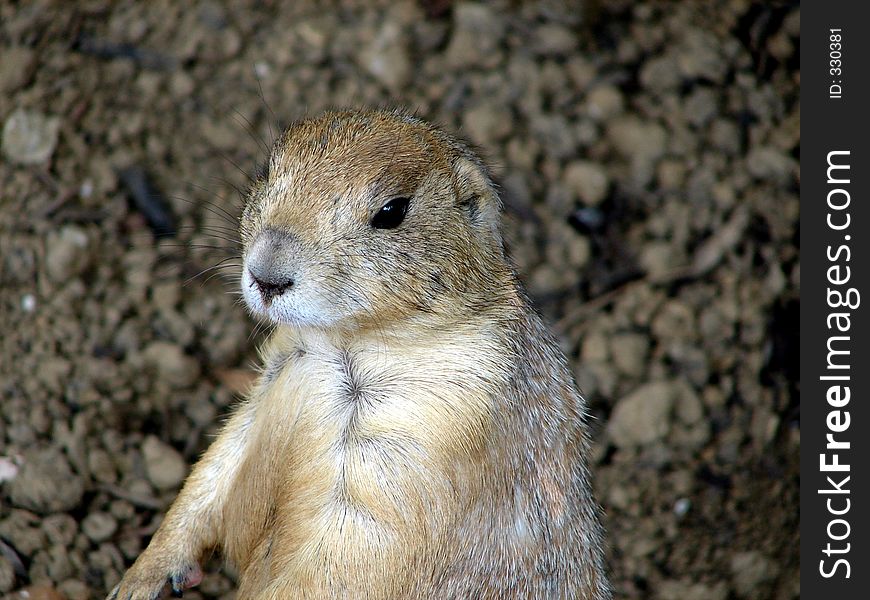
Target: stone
[[643, 416], [700, 57], [15, 67], [588, 181], [637, 139], [659, 74], [700, 106], [99, 526], [165, 467], [688, 590], [657, 259], [386, 57], [749, 570], [477, 36], [630, 352], [29, 137], [487, 123], [7, 575], [171, 363], [46, 483], [766, 162], [67, 253], [604, 102], [553, 39]]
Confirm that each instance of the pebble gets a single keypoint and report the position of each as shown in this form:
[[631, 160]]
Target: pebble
[[99, 526], [38, 592], [46, 483], [700, 57], [487, 123], [67, 253], [73, 589], [700, 106], [553, 39], [643, 416], [660, 74], [15, 67], [29, 137], [587, 180], [637, 139], [171, 363], [630, 353], [165, 467], [7, 575], [750, 570], [689, 590], [604, 102], [477, 35], [657, 259], [386, 57], [766, 162]]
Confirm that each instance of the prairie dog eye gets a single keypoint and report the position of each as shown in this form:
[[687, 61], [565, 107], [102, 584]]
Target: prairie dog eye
[[391, 214]]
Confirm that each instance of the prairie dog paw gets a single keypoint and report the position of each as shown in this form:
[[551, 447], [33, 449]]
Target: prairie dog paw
[[146, 580]]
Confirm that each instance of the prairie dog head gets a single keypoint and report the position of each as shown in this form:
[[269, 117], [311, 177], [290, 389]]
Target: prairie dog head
[[364, 218]]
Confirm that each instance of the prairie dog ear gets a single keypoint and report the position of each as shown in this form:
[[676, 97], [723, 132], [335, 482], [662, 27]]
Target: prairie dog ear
[[477, 198]]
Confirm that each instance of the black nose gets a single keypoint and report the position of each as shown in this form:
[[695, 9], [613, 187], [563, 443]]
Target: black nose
[[270, 286]]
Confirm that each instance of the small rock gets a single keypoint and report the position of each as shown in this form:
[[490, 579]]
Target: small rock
[[99, 526], [386, 57], [657, 259], [687, 590], [8, 469], [700, 106], [488, 123], [700, 57], [749, 571], [60, 529], [637, 139], [588, 181], [629, 352], [15, 67], [553, 39], [689, 407], [165, 467], [725, 136], [46, 483], [643, 416], [7, 575], [604, 102], [660, 73], [766, 162], [172, 364], [67, 253], [29, 137], [554, 134], [477, 35], [38, 592], [74, 590]]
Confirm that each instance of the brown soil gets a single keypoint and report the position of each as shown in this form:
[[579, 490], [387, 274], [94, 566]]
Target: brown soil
[[648, 154]]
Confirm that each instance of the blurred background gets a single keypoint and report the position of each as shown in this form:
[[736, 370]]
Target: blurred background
[[648, 156]]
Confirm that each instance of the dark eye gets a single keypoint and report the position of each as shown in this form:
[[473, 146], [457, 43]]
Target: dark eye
[[391, 214]]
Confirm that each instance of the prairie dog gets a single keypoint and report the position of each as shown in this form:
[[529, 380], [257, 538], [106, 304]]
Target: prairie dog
[[416, 433]]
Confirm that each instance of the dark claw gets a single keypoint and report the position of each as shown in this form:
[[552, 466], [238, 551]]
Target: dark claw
[[177, 584]]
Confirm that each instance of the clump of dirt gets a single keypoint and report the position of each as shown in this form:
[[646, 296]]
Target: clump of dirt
[[648, 154]]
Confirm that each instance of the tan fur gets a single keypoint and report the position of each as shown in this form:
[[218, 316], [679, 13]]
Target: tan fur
[[416, 433]]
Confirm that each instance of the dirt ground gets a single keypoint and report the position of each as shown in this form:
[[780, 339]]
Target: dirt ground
[[648, 154]]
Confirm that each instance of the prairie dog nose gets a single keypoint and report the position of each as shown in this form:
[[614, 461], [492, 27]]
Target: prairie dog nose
[[271, 263]]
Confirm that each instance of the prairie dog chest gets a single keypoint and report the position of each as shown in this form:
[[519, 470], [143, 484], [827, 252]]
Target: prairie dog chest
[[376, 406]]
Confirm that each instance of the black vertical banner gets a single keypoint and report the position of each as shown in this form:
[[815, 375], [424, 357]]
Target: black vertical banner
[[835, 354]]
